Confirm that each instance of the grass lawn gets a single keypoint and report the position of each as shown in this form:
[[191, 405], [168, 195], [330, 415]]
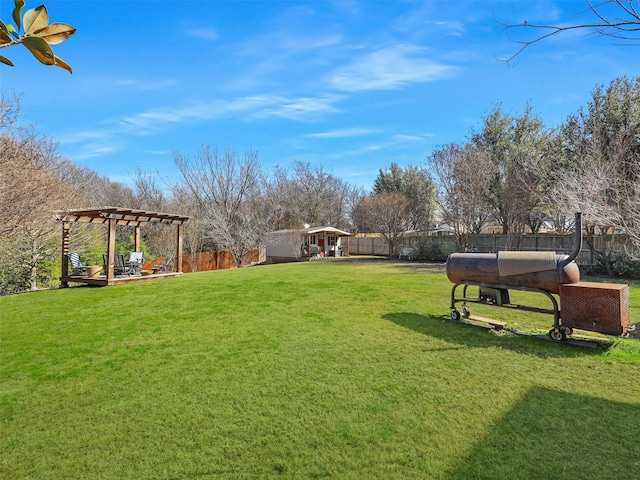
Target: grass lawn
[[329, 369]]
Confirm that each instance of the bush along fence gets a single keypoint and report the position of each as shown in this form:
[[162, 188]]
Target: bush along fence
[[437, 247]]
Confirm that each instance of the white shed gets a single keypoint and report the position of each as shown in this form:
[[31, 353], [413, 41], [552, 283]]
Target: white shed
[[305, 243]]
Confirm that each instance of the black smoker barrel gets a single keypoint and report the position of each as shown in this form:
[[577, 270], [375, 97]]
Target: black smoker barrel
[[541, 270]]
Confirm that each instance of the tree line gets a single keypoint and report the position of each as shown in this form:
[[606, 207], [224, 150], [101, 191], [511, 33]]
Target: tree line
[[512, 169], [523, 174]]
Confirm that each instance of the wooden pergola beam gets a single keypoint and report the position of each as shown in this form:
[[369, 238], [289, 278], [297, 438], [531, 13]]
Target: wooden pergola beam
[[122, 216]]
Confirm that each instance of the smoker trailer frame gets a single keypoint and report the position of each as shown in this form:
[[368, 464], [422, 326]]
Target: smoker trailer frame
[[557, 333]]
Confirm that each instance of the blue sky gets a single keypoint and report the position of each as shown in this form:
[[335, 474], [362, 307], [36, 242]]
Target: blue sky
[[349, 85]]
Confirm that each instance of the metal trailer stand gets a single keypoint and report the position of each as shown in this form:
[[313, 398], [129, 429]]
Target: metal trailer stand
[[557, 333]]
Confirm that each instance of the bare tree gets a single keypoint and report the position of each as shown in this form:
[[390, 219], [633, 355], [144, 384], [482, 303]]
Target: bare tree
[[148, 192], [283, 196], [599, 172], [195, 232], [26, 182], [357, 220], [617, 19], [31, 188], [307, 195], [463, 175], [389, 214], [227, 191]]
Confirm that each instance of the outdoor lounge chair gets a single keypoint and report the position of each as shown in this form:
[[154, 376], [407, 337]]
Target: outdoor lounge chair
[[76, 264], [120, 267], [165, 266]]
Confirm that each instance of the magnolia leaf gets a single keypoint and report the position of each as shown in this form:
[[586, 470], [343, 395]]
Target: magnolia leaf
[[55, 33], [40, 49], [35, 19], [17, 12], [4, 37], [62, 64], [6, 61]]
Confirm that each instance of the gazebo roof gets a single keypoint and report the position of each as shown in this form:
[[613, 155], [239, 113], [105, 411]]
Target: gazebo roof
[[123, 216]]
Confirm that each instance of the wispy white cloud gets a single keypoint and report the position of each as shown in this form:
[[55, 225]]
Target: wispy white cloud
[[297, 108], [255, 106], [204, 33], [344, 133], [388, 68], [101, 148], [454, 27], [412, 138], [139, 84], [111, 137]]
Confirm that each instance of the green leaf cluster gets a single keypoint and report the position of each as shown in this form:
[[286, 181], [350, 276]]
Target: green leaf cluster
[[34, 32]]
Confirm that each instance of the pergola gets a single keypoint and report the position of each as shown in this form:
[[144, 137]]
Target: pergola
[[112, 217]]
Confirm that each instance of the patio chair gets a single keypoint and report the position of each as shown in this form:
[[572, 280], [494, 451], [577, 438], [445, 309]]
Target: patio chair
[[120, 267], [135, 261], [76, 263], [165, 266]]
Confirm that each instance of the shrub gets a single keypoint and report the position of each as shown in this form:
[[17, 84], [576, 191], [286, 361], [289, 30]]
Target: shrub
[[428, 251], [625, 266]]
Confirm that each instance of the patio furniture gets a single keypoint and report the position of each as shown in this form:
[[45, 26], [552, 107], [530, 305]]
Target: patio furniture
[[135, 261], [76, 263], [407, 252], [120, 267], [93, 271], [165, 266]]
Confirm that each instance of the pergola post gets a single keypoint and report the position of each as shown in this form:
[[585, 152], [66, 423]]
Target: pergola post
[[111, 249], [65, 252], [179, 249], [136, 239]]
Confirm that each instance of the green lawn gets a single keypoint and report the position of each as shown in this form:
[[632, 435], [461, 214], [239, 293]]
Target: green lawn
[[329, 369]]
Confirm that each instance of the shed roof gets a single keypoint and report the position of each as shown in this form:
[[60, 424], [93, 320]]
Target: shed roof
[[311, 231], [123, 216]]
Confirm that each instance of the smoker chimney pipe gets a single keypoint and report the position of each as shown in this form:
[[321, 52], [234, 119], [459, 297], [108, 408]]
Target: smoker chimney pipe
[[577, 242]]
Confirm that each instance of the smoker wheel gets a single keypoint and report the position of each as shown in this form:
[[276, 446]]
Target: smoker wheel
[[557, 334]]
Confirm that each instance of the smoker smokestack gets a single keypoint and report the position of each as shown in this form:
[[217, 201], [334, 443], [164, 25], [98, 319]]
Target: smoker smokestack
[[577, 242]]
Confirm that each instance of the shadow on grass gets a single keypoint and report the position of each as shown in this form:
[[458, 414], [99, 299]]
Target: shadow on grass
[[477, 337], [559, 435]]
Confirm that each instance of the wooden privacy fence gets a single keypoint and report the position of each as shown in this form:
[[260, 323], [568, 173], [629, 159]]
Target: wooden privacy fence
[[215, 260], [560, 244]]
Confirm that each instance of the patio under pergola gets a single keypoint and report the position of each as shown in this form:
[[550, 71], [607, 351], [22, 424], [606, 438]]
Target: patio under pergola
[[113, 217]]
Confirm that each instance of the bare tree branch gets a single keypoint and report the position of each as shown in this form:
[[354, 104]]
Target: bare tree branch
[[624, 27]]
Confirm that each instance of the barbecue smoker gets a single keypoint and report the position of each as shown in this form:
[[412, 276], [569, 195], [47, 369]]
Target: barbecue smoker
[[589, 306]]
